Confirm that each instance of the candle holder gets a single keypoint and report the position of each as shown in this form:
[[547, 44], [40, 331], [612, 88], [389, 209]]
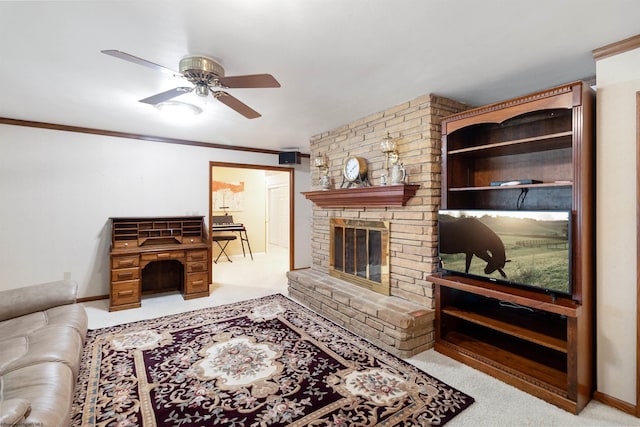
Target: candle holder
[[388, 148], [322, 164]]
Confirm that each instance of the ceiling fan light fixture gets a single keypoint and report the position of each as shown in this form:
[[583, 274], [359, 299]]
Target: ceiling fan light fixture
[[202, 90], [207, 77], [178, 109]]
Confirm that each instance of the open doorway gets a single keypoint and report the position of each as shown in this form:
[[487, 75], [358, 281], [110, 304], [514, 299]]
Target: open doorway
[[258, 201]]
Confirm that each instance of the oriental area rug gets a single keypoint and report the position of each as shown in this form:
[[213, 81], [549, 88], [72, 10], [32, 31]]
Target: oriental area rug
[[261, 362]]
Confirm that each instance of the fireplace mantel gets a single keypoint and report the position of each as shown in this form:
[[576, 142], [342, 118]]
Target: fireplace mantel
[[383, 195]]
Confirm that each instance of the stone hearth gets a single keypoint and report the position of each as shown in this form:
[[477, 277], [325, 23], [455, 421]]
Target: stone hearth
[[401, 327]]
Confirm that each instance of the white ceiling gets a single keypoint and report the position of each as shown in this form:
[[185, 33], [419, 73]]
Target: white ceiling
[[337, 60]]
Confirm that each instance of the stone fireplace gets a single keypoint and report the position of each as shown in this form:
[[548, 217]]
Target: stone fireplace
[[399, 316], [359, 252]]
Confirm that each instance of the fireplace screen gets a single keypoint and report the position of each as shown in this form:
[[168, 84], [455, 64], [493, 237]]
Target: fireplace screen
[[359, 252]]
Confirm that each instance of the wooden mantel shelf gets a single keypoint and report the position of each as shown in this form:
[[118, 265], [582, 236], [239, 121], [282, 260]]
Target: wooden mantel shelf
[[383, 195]]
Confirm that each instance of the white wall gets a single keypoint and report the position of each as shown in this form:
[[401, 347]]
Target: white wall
[[58, 190], [618, 80], [303, 212]]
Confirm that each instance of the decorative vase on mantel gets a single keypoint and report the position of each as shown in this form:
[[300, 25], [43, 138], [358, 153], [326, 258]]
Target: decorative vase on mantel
[[398, 174], [325, 182]]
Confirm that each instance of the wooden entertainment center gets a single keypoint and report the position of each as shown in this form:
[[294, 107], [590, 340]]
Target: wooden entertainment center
[[539, 342], [158, 254]]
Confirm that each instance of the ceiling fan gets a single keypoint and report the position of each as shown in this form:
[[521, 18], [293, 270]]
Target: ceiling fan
[[207, 77]]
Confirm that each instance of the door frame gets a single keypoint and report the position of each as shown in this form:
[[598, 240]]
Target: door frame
[[290, 171], [637, 408]]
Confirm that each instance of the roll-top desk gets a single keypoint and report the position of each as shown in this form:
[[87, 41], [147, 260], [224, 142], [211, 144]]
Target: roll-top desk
[[156, 254]]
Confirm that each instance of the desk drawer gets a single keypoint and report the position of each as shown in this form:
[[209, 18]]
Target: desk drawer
[[125, 292], [191, 239], [196, 267], [160, 256], [197, 282], [125, 261], [125, 274], [196, 256], [125, 244]]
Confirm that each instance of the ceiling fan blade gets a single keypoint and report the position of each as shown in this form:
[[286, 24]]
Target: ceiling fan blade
[[236, 104], [139, 61], [165, 96], [249, 81]]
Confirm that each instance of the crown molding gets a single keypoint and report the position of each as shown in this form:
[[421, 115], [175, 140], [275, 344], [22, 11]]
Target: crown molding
[[616, 48], [92, 131]]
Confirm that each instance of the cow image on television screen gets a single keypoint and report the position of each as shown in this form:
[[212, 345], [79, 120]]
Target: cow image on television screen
[[472, 237]]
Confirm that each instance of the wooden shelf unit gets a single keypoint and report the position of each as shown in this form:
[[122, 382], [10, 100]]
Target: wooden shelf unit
[[540, 343], [175, 250], [512, 187]]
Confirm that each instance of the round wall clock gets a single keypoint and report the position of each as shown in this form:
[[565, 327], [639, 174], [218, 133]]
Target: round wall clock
[[355, 169]]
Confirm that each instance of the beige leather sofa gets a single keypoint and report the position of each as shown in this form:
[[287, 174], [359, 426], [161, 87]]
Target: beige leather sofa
[[42, 332]]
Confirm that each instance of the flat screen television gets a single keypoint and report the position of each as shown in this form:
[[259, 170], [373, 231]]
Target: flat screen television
[[530, 249]]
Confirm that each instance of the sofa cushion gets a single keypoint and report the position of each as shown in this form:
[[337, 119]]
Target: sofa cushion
[[11, 350], [13, 412], [49, 344], [49, 389], [72, 315]]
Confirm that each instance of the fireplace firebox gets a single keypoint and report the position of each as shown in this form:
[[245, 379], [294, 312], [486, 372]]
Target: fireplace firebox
[[359, 253]]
